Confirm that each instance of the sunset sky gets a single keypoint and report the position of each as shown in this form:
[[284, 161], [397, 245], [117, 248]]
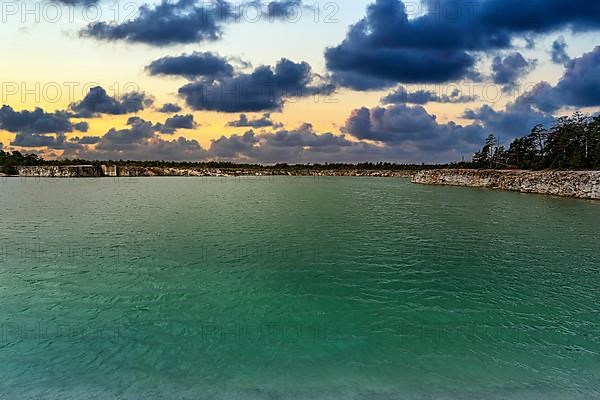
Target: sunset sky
[[290, 81]]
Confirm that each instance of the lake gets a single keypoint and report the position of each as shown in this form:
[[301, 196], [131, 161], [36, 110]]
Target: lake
[[295, 288]]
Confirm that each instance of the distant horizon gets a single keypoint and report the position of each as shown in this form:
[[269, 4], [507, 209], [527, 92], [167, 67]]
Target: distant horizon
[[571, 142]]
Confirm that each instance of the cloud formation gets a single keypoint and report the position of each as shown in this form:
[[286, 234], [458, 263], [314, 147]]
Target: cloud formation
[[559, 51], [264, 89], [508, 70], [514, 121], [580, 84], [192, 66], [176, 122], [391, 45], [140, 141], [412, 127], [300, 145], [262, 122], [578, 87], [55, 142], [97, 102], [178, 22], [38, 121], [421, 96], [186, 21], [169, 108]]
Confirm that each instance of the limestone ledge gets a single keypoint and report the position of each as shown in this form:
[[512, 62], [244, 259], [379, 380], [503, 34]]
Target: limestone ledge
[[578, 184], [82, 171]]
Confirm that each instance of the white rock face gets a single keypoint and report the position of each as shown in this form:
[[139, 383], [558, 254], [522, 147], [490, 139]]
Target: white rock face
[[80, 171], [66, 171], [579, 184]]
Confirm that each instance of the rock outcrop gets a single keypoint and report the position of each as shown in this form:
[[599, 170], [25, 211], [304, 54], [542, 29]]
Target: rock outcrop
[[82, 171], [579, 184], [62, 171]]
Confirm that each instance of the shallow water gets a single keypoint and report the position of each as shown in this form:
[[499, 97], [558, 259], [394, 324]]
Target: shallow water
[[295, 288]]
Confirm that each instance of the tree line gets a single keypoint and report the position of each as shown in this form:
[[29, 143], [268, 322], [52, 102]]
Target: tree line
[[9, 161], [572, 142]]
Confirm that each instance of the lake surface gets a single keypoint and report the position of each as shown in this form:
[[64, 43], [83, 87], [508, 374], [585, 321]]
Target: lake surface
[[295, 288]]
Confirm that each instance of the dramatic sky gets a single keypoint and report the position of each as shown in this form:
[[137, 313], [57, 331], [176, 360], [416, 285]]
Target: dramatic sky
[[290, 81]]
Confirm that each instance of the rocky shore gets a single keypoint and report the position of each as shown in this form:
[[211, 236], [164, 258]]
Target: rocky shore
[[578, 184], [83, 171]]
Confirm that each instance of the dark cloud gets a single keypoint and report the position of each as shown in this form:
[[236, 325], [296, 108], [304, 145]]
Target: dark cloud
[[140, 141], [38, 121], [183, 21], [262, 122], [55, 142], [97, 102], [508, 70], [176, 122], [305, 145], [580, 84], [192, 66], [559, 51], [139, 131], [365, 68], [301, 145], [190, 21], [264, 89], [179, 149], [377, 53], [413, 127], [169, 108], [235, 146], [421, 96], [81, 126], [542, 98], [514, 121], [141, 137], [33, 140], [142, 129], [392, 45], [578, 87], [87, 139]]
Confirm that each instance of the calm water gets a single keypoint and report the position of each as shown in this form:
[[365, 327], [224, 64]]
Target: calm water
[[344, 288]]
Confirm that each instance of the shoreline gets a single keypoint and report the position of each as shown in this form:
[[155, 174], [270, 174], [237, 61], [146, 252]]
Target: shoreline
[[573, 184], [90, 171]]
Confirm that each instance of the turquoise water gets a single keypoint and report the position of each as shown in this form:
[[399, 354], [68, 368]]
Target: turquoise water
[[295, 288]]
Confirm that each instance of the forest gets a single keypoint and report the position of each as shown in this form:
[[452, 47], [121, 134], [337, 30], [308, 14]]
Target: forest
[[571, 143]]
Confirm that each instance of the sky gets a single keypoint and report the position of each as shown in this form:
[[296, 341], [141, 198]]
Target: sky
[[420, 81]]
